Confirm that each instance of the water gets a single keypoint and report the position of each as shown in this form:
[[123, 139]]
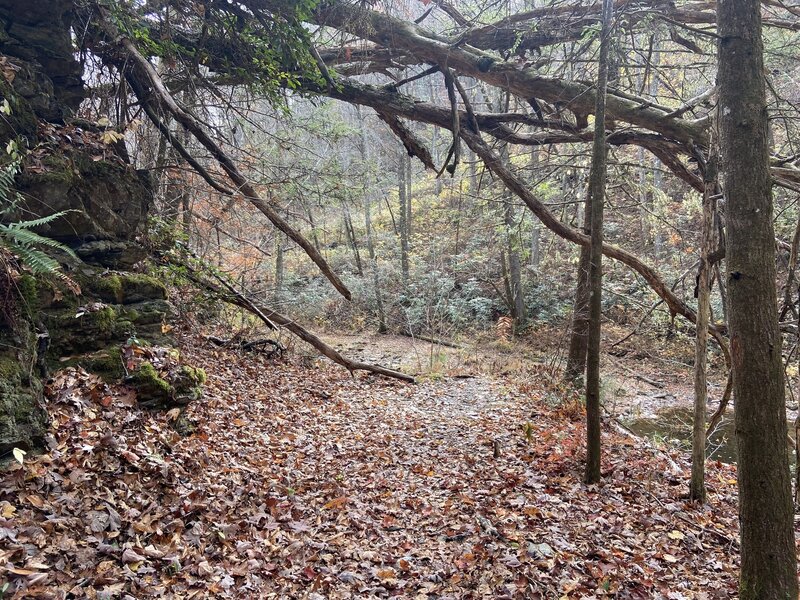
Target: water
[[675, 425]]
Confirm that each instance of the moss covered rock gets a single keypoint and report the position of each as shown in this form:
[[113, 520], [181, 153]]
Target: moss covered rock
[[78, 332], [108, 363], [123, 288], [177, 388], [39, 33], [188, 384], [23, 420], [20, 121], [152, 390], [109, 200]]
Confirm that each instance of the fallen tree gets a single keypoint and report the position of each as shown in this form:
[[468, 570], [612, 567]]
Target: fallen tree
[[220, 288]]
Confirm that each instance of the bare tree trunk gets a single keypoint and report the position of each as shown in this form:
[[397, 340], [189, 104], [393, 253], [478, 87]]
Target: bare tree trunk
[[373, 258], [697, 486], [768, 558], [279, 269], [514, 274], [473, 173], [536, 231], [514, 267], [579, 339], [645, 202], [350, 233], [409, 211], [597, 190], [658, 184], [403, 220], [314, 235]]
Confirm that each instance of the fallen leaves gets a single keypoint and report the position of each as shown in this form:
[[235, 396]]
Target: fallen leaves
[[308, 483]]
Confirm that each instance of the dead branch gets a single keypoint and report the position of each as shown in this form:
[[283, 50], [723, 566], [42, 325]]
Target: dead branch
[[137, 69], [229, 294], [412, 144]]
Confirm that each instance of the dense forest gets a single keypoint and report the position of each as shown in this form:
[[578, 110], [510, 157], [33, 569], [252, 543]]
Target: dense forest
[[399, 298]]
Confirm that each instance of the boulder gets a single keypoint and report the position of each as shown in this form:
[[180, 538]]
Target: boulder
[[109, 200], [176, 388]]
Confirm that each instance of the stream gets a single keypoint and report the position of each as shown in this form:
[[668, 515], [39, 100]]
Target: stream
[[674, 425]]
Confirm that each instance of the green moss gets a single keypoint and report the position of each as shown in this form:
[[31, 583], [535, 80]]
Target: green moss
[[106, 319], [88, 332], [188, 384], [22, 121], [108, 288], [9, 368], [137, 288], [107, 363], [183, 425], [22, 419], [57, 170], [195, 374], [151, 389], [123, 288], [28, 291]]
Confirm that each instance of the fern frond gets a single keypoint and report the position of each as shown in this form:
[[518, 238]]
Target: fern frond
[[36, 260], [12, 236], [34, 223], [19, 238]]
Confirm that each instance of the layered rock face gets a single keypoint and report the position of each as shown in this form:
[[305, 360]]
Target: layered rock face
[[36, 35], [67, 168]]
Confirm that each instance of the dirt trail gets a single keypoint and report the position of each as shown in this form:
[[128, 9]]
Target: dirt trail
[[303, 482]]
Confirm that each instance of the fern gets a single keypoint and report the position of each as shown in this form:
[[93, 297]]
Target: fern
[[19, 237]]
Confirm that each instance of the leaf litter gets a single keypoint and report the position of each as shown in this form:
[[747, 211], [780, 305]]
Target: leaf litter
[[302, 482]]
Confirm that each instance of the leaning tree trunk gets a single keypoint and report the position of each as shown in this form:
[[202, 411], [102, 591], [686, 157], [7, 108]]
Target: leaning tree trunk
[[768, 561], [597, 190]]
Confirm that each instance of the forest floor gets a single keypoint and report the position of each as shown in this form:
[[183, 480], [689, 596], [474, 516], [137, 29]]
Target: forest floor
[[302, 482]]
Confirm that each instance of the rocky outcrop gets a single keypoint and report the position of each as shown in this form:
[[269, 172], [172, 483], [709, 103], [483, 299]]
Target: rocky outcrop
[[36, 36], [71, 168], [113, 308], [107, 199], [23, 419], [177, 388]]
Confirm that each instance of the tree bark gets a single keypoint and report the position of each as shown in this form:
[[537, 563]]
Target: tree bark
[[597, 191], [279, 270], [146, 84], [768, 559], [383, 29], [402, 189], [350, 234], [409, 210], [579, 338], [373, 257], [516, 296], [697, 485]]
